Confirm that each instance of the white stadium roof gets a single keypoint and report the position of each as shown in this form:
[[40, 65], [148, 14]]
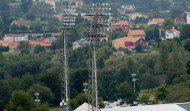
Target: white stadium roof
[[158, 107]]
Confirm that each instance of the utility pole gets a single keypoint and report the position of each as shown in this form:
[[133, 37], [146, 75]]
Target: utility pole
[[98, 23], [134, 80], [68, 22], [85, 87], [37, 100]]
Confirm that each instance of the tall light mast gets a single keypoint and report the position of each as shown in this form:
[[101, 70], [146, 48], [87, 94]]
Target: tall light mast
[[98, 22], [68, 22]]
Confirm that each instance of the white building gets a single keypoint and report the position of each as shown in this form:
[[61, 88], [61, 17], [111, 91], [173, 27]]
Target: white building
[[51, 2], [170, 34], [15, 37], [188, 18], [80, 43]]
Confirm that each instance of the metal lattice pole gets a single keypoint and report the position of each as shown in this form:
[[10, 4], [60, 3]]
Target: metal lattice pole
[[68, 22], [98, 23]]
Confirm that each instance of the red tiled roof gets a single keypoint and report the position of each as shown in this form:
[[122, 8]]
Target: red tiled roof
[[159, 20], [57, 16], [126, 39], [120, 23], [137, 32], [51, 0], [20, 22], [9, 43], [80, 2], [176, 30], [55, 34], [15, 35], [37, 34]]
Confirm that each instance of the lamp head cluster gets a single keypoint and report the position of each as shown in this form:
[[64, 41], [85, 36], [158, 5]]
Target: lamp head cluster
[[69, 16], [99, 20]]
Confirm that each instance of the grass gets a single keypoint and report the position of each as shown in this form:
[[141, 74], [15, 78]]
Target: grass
[[149, 92], [56, 109], [11, 53]]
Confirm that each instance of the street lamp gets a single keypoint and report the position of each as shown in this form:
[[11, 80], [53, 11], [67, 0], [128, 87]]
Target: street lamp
[[85, 89], [134, 80], [37, 100]]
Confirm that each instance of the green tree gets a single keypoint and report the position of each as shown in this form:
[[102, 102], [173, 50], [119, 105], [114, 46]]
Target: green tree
[[161, 92], [23, 28], [52, 80], [188, 67], [30, 16], [24, 47], [46, 94], [139, 48], [126, 92], [176, 11], [27, 81], [79, 100], [5, 94], [168, 23], [148, 81], [39, 49], [26, 5], [118, 33], [144, 99], [187, 45], [36, 27], [14, 28], [185, 32], [162, 64], [21, 101]]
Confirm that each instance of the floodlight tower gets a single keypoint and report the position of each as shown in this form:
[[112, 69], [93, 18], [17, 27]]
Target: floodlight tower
[[98, 22], [68, 22]]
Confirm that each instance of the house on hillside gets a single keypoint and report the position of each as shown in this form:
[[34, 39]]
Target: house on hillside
[[137, 34], [79, 3], [15, 37], [37, 36], [127, 42], [80, 43], [168, 34], [156, 21], [128, 7], [187, 17], [134, 15], [58, 16], [12, 45], [124, 25], [44, 43], [19, 22]]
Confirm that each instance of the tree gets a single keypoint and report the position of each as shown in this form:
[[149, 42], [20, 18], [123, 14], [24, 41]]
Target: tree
[[5, 94], [139, 48], [24, 47], [30, 16], [187, 45], [46, 94], [27, 81], [126, 92], [25, 5], [176, 11], [14, 28], [168, 23], [23, 28], [185, 32], [161, 92], [188, 67], [118, 33], [4, 48], [21, 101], [36, 27], [52, 80], [38, 49], [162, 65], [144, 99], [79, 100], [148, 81]]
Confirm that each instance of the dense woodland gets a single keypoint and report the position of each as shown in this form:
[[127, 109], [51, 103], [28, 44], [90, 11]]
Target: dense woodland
[[164, 71]]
